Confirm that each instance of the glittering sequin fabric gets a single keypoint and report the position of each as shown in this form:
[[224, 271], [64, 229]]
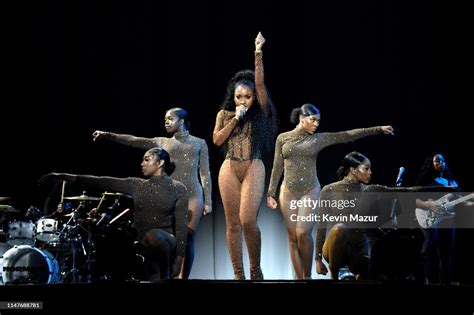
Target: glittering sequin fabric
[[159, 202], [189, 153], [242, 175], [296, 154], [346, 189]]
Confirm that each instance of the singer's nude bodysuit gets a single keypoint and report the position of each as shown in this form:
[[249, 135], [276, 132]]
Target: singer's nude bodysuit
[[242, 174], [296, 154]]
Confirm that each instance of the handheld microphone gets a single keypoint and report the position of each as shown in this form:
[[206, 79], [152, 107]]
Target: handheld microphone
[[242, 113]]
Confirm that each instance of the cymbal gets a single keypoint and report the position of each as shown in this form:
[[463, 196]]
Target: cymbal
[[7, 208], [107, 194], [4, 198], [82, 198]]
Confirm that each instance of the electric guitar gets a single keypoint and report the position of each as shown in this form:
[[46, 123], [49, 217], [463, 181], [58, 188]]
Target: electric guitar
[[444, 208]]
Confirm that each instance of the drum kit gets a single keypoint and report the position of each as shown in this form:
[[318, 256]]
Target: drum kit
[[65, 246]]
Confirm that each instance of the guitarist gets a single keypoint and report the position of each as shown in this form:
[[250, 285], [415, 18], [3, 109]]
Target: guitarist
[[439, 245]]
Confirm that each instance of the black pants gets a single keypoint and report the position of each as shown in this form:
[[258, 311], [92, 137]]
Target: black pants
[[438, 252]]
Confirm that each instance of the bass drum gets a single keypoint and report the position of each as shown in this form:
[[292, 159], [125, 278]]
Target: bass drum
[[27, 264], [4, 247]]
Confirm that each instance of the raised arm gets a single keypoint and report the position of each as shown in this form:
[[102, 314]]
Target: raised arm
[[262, 94], [128, 140], [205, 174]]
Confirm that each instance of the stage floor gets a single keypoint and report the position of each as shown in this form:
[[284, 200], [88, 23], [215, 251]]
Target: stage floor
[[210, 295]]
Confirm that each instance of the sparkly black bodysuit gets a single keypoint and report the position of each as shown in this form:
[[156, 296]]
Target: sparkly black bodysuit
[[160, 203], [347, 189], [189, 153]]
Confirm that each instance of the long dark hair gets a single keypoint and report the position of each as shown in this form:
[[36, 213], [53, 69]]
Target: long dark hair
[[162, 155], [428, 174], [244, 77], [263, 128], [353, 159]]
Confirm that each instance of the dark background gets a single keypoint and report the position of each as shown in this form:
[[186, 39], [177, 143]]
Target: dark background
[[71, 68]]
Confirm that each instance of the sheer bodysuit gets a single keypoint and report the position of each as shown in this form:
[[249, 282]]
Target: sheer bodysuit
[[242, 174]]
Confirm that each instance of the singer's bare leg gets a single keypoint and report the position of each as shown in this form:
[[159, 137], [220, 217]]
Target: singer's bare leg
[[241, 184], [253, 186], [230, 186]]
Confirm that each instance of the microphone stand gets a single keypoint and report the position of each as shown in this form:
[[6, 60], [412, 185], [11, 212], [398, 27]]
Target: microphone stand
[[393, 213]]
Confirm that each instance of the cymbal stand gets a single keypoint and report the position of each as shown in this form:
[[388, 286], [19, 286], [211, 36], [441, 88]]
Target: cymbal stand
[[90, 254], [74, 237]]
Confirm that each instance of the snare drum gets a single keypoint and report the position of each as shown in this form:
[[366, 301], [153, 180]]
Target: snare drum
[[47, 230], [21, 233]]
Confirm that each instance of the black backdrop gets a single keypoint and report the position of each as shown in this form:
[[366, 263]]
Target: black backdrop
[[73, 67]]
